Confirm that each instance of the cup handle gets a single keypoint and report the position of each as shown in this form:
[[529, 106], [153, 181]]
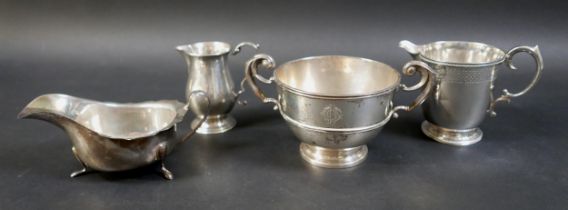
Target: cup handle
[[425, 83], [203, 117], [251, 72], [507, 96], [236, 51]]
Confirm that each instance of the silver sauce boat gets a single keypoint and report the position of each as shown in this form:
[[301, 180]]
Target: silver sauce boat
[[111, 136]]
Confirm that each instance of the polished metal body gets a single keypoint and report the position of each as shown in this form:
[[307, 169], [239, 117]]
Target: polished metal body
[[112, 136], [208, 70], [335, 104], [462, 88]]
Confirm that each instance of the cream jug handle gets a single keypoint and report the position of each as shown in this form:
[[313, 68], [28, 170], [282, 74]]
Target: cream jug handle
[[236, 51], [426, 74], [237, 48], [251, 72], [507, 96], [203, 116]]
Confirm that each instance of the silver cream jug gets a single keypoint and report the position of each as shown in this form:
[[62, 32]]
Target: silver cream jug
[[462, 91], [208, 70]]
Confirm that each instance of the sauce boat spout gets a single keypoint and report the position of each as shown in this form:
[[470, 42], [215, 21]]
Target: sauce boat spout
[[57, 109]]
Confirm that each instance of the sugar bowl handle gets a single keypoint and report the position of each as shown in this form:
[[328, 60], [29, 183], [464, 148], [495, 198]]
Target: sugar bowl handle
[[205, 99], [507, 96], [425, 83], [251, 72]]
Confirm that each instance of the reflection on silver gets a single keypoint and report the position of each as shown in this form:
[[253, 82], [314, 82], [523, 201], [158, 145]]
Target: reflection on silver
[[335, 104], [462, 89], [112, 136], [208, 70]]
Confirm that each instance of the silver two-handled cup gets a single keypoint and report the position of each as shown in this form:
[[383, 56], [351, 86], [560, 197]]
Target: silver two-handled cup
[[336, 104], [462, 91], [208, 70]]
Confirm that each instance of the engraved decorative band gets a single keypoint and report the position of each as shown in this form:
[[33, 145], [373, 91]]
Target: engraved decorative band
[[324, 129]]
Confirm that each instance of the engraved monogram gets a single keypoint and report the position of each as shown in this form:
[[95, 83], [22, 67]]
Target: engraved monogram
[[331, 114], [336, 138]]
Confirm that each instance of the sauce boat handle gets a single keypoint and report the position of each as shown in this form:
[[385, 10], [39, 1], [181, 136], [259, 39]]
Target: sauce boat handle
[[236, 51], [203, 116], [251, 72], [507, 96], [425, 83]]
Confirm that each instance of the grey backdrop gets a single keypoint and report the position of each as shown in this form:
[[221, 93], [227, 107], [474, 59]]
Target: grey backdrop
[[124, 51]]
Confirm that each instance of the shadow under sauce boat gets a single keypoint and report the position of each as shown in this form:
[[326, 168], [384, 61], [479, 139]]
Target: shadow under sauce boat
[[336, 104], [111, 136]]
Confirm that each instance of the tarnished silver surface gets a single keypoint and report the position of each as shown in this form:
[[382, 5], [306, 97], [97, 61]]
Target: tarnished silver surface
[[208, 70], [462, 88], [335, 104], [111, 136]]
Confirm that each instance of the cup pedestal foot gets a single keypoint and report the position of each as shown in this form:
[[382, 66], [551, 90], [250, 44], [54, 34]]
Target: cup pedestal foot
[[215, 124], [452, 136], [331, 157]]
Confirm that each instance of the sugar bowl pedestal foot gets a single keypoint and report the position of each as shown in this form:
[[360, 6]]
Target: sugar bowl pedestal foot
[[333, 158]]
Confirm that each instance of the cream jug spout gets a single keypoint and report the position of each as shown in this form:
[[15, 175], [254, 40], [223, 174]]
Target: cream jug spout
[[411, 48], [184, 50]]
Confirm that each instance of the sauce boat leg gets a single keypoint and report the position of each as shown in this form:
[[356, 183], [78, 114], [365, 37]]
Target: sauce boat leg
[[162, 152], [84, 170]]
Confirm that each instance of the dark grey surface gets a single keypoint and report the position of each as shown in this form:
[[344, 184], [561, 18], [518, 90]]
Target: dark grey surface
[[123, 51]]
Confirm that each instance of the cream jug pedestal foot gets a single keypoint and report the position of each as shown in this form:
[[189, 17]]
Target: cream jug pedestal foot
[[215, 124], [452, 136]]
